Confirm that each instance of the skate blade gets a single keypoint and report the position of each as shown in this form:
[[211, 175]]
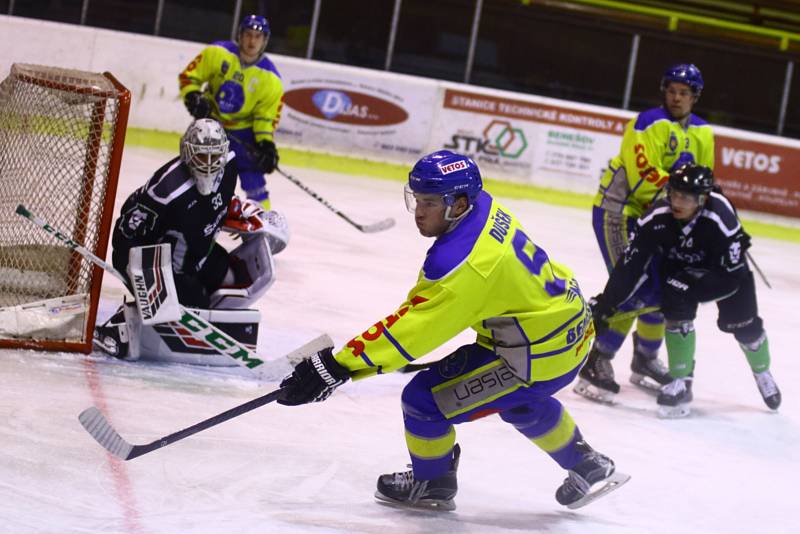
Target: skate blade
[[429, 505], [613, 482], [674, 412], [585, 389], [645, 382]]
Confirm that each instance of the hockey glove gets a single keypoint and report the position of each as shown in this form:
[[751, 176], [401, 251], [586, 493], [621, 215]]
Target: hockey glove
[[267, 157], [601, 313], [199, 107], [313, 379]]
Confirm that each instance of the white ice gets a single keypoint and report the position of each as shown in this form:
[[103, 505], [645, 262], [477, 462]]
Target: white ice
[[730, 467]]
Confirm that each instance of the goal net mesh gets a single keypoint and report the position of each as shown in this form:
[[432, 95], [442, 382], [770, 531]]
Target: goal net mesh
[[61, 135]]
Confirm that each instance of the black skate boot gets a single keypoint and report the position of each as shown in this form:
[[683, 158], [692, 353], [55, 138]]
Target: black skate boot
[[596, 378], [647, 371], [593, 477], [674, 398], [112, 336], [768, 389], [401, 489]]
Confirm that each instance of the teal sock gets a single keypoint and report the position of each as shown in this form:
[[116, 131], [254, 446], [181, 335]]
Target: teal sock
[[680, 352], [759, 358]]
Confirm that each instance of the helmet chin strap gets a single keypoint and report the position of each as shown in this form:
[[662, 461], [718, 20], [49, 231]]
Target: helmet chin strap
[[454, 221]]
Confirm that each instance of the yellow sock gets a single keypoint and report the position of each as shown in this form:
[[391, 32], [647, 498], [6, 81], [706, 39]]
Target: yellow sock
[[267, 204]]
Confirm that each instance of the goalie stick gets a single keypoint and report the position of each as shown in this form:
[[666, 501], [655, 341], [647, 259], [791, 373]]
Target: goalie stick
[[101, 430], [197, 327], [414, 367]]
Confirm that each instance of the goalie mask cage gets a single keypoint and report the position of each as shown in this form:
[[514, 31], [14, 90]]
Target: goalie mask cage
[[61, 138]]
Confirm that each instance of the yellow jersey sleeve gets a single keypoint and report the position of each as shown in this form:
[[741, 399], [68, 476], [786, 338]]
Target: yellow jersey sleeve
[[241, 96], [651, 145], [488, 275]]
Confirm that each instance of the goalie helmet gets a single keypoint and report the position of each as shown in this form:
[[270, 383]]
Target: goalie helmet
[[692, 178], [684, 73], [204, 149]]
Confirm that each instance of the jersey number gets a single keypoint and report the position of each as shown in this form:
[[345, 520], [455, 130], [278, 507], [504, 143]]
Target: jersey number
[[535, 261]]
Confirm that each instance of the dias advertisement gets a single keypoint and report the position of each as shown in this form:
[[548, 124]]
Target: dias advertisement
[[356, 112]]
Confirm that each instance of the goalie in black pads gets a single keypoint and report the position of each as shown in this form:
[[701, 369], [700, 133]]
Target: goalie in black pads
[[165, 242], [695, 238]]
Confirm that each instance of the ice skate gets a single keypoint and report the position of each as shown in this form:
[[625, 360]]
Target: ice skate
[[402, 490], [593, 477], [768, 389], [596, 378], [647, 371], [674, 398], [112, 336]]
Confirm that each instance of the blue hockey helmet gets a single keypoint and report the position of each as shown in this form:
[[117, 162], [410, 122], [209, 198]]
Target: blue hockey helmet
[[447, 174], [255, 22], [684, 73]]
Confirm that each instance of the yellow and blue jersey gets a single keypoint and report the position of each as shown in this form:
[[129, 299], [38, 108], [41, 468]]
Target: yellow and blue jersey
[[486, 274], [241, 96], [653, 141]]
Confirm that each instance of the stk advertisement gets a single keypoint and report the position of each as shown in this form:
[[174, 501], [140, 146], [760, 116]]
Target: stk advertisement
[[357, 112], [528, 140]]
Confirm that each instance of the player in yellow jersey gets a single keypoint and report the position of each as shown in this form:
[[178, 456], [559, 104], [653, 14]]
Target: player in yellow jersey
[[533, 333], [236, 84], [655, 141]]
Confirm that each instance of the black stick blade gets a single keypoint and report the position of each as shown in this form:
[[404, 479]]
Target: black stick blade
[[377, 226], [101, 430]]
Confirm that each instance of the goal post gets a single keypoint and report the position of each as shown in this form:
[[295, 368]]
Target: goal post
[[61, 137]]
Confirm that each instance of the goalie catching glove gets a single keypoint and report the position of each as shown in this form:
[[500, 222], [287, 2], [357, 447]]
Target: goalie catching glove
[[244, 217], [313, 379]]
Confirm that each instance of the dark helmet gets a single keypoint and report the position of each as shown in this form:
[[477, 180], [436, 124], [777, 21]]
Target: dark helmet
[[692, 178], [685, 73]]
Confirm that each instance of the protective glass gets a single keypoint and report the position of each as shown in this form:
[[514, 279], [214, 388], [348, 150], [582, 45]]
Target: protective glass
[[424, 201]]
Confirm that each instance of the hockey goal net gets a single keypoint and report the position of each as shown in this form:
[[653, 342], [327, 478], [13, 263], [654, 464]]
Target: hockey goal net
[[61, 138]]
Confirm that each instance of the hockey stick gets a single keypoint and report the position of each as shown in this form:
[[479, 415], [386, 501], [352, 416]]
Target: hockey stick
[[758, 270], [379, 226], [101, 430], [198, 328], [414, 367]]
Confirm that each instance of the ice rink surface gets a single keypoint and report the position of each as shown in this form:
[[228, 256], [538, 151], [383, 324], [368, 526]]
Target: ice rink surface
[[731, 467]]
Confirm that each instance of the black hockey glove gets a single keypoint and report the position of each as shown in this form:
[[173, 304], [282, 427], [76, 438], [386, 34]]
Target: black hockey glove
[[313, 380], [198, 105], [267, 157], [601, 313]]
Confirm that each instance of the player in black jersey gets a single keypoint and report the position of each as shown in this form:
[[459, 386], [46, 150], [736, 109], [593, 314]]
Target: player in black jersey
[[185, 203], [695, 237]]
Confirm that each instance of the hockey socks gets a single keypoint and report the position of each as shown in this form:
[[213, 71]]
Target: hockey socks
[[680, 341], [757, 354]]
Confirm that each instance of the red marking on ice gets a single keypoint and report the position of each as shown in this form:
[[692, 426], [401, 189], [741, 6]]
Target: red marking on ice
[[123, 489]]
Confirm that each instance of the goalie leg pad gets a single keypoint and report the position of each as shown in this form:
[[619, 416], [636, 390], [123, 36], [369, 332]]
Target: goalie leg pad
[[150, 273], [171, 342], [254, 273]]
